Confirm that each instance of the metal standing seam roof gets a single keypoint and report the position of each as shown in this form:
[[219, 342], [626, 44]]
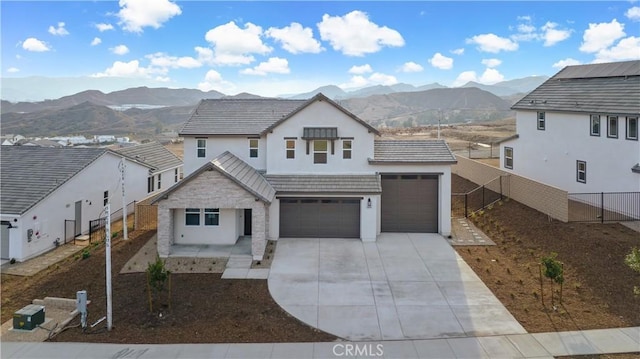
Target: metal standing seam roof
[[28, 174], [153, 154], [325, 183], [412, 151], [609, 88], [314, 133]]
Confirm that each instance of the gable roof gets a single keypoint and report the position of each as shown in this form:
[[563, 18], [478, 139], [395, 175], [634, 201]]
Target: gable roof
[[607, 88], [236, 170], [254, 117], [29, 174], [412, 151], [153, 154]]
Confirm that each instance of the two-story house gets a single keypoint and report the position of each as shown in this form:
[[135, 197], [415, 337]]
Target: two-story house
[[272, 168], [578, 131]]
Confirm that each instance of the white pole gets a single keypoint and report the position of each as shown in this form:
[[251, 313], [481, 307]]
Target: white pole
[[125, 235], [108, 265]]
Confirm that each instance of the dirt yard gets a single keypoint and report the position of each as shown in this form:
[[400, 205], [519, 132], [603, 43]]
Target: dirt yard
[[598, 287]]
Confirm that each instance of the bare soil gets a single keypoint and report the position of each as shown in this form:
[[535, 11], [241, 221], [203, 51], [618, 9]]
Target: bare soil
[[598, 288]]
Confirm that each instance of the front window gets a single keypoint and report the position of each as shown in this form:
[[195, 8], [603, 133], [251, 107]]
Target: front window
[[541, 121], [105, 198], [211, 216], [508, 157], [159, 180], [346, 149], [595, 125], [581, 171], [201, 147], [632, 128], [291, 149], [320, 151], [192, 216], [253, 147], [612, 126]]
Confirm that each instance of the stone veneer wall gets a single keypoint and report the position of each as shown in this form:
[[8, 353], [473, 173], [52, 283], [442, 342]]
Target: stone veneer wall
[[539, 196]]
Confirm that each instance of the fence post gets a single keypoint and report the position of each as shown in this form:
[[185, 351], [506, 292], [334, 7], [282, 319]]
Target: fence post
[[601, 207], [482, 196], [501, 188], [465, 205]]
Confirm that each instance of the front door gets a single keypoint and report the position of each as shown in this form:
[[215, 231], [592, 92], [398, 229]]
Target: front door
[[247, 222], [78, 218], [4, 239]]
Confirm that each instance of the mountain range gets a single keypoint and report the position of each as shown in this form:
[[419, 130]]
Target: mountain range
[[147, 111]]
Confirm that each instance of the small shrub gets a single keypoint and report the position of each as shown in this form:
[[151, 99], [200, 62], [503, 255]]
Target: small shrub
[[513, 296], [86, 254]]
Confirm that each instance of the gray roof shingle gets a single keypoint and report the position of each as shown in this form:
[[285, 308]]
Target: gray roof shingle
[[325, 184], [245, 175], [28, 174], [609, 88], [412, 151], [153, 154]]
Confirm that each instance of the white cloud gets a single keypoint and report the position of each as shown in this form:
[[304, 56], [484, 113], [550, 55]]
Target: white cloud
[[120, 50], [441, 62], [104, 27], [58, 31], [96, 41], [163, 79], [464, 77], [490, 77], [411, 67], [459, 51], [355, 82], [626, 49], [355, 35], [13, 70], [274, 65], [136, 14], [124, 69], [205, 55], [35, 45], [234, 46], [552, 35], [600, 36], [633, 13], [376, 78], [359, 70], [566, 62], [383, 79], [161, 62], [213, 81], [493, 43], [296, 39], [491, 63]]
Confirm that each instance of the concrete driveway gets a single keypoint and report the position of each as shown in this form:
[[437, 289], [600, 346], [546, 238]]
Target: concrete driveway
[[404, 286]]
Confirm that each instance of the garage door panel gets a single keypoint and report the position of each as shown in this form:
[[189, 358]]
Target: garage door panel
[[322, 217], [409, 203]]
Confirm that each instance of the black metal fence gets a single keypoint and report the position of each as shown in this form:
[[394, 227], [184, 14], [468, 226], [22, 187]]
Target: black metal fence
[[97, 226], [463, 204], [604, 207]]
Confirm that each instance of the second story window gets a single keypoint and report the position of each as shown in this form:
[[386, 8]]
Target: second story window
[[290, 148], [346, 149], [632, 128], [201, 146], [175, 175], [320, 151], [150, 184], [595, 125], [612, 126], [253, 147], [159, 180], [106, 198], [541, 121], [581, 171], [508, 157]]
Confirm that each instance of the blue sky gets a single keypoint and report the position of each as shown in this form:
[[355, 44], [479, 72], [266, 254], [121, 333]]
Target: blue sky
[[272, 48]]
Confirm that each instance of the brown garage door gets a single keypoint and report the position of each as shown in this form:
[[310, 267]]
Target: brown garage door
[[409, 203], [320, 217]]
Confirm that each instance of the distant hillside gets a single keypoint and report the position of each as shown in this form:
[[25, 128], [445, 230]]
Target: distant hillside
[[137, 95]]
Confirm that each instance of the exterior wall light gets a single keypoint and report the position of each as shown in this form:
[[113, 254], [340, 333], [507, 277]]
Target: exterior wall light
[[369, 202]]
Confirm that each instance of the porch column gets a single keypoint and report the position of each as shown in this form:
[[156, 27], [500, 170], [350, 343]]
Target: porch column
[[165, 231], [258, 231]]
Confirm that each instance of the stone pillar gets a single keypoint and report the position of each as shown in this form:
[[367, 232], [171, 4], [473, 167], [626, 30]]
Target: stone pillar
[[258, 231], [165, 231]]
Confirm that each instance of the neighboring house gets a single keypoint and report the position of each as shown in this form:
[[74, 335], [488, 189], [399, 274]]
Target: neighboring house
[[45, 192], [167, 167], [272, 168], [578, 131]]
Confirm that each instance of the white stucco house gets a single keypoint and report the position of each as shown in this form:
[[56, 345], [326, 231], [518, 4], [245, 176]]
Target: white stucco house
[[273, 168], [578, 131], [47, 192], [166, 166]]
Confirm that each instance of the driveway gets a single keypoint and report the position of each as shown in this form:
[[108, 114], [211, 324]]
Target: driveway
[[404, 286]]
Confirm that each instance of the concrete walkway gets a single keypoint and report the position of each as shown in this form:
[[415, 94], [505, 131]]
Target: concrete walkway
[[542, 345], [403, 286]]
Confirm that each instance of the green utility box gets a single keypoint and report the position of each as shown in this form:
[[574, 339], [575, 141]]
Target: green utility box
[[29, 317]]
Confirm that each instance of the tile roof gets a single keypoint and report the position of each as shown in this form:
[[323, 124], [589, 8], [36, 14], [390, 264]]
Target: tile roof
[[237, 116], [153, 154], [412, 151], [325, 183], [28, 174], [610, 88]]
